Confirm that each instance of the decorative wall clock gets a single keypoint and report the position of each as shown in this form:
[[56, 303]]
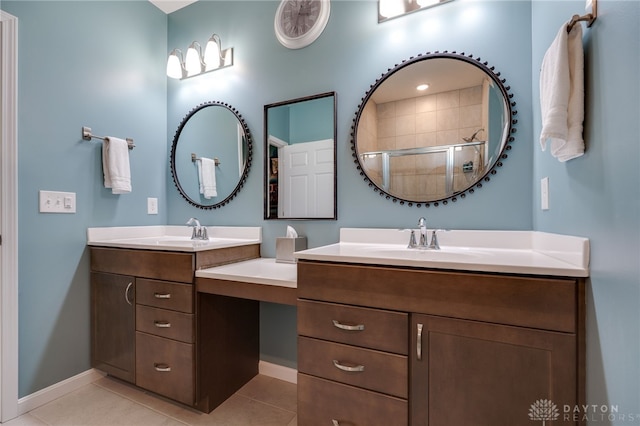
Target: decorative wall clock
[[298, 23]]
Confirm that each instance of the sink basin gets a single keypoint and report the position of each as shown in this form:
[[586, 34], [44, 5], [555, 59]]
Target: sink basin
[[178, 241], [522, 252], [445, 254], [177, 238]]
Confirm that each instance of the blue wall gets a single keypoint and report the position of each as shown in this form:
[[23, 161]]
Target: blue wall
[[113, 80], [350, 55], [96, 64], [598, 195]]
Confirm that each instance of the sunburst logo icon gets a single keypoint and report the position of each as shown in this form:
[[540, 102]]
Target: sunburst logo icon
[[545, 410]]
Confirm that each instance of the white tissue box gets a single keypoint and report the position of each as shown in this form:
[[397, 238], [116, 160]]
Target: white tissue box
[[286, 246]]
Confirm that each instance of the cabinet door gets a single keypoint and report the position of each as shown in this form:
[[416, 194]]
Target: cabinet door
[[113, 324], [474, 373]]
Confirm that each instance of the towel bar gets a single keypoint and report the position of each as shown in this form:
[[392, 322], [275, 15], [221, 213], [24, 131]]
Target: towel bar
[[194, 158], [87, 136]]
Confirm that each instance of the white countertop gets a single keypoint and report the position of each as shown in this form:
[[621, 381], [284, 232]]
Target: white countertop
[[258, 271], [520, 252], [173, 238]]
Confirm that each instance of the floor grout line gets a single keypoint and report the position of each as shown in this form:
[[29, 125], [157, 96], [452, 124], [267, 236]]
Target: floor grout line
[[186, 408], [145, 405]]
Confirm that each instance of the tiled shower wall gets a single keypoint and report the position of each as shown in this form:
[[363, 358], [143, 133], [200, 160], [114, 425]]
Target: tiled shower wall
[[432, 120]]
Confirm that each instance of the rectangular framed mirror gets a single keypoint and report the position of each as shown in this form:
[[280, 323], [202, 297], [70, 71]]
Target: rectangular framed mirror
[[300, 158]]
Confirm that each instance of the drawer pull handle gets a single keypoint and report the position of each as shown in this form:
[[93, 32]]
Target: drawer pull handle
[[354, 369], [126, 293], [357, 327], [162, 295], [163, 368], [162, 324], [419, 342]]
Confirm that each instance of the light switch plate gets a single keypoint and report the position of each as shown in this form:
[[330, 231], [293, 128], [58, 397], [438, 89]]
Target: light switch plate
[[57, 202], [152, 206], [544, 193]]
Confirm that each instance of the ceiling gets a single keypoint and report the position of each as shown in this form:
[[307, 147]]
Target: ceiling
[[168, 6]]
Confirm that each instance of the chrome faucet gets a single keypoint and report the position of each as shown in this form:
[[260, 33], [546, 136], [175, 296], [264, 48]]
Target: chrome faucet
[[422, 223], [422, 244], [199, 231]]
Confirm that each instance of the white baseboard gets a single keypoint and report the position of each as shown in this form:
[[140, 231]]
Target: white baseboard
[[46, 395], [278, 371]]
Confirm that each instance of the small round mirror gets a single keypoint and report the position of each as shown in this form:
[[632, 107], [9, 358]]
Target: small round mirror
[[211, 155], [433, 128]]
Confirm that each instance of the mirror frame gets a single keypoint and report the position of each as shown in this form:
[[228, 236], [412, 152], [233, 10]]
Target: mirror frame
[[247, 166], [335, 156], [506, 142]]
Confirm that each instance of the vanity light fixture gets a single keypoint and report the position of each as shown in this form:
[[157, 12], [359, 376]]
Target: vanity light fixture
[[195, 63], [388, 9]]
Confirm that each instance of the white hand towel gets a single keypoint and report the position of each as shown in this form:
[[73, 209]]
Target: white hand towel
[[207, 177], [562, 95], [115, 165]]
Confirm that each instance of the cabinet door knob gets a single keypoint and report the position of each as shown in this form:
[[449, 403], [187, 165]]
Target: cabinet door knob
[[348, 327], [419, 342], [163, 368], [162, 295], [350, 369], [162, 324]]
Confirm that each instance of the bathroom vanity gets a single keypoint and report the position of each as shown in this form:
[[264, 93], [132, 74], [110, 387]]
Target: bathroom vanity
[[467, 335], [144, 308]]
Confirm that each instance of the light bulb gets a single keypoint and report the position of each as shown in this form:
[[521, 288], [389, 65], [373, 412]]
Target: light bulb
[[391, 8], [174, 65], [212, 54], [193, 62], [425, 3]]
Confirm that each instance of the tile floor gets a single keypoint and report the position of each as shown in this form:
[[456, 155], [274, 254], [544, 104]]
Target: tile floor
[[264, 401]]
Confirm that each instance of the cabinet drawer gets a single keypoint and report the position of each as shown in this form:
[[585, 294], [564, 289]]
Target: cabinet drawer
[[144, 263], [164, 323], [370, 328], [536, 302], [322, 402], [366, 368], [165, 367], [165, 295]]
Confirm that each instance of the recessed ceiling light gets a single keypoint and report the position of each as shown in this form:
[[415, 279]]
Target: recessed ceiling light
[[422, 87]]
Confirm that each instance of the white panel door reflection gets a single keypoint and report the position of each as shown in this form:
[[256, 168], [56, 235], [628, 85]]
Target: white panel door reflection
[[307, 179]]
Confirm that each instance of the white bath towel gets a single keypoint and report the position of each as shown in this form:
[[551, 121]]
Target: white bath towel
[[207, 177], [562, 95], [115, 165]]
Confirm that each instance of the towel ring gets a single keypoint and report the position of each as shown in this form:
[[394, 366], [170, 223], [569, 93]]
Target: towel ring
[[589, 18]]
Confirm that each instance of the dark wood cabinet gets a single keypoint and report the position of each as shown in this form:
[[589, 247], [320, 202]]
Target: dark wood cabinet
[[145, 324], [113, 346], [456, 348], [470, 372]]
